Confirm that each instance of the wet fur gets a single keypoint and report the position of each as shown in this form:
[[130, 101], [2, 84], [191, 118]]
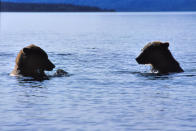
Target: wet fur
[[32, 61], [159, 56]]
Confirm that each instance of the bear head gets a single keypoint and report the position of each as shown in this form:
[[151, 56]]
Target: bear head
[[32, 61], [159, 56]]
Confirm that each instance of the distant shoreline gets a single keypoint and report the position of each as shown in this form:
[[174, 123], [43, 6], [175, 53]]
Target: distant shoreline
[[98, 12], [51, 7], [37, 7]]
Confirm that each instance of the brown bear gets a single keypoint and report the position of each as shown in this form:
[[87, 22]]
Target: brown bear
[[159, 56], [32, 61]]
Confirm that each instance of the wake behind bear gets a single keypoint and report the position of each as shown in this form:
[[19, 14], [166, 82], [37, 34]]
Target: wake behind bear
[[32, 61], [159, 56]]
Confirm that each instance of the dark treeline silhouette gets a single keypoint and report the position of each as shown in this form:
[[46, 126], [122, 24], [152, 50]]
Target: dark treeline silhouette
[[43, 7]]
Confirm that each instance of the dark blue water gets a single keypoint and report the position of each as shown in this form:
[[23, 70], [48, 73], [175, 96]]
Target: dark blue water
[[106, 90]]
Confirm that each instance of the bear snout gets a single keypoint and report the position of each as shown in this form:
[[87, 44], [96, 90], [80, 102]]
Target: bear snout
[[138, 59], [142, 59], [49, 66]]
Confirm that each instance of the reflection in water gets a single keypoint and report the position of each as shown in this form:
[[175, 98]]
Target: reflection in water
[[151, 76], [156, 76], [29, 82]]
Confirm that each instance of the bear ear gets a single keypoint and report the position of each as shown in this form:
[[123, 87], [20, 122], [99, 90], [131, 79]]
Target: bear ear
[[27, 51], [166, 44]]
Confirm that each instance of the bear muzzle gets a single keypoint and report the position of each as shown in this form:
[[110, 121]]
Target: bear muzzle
[[139, 61], [142, 60], [49, 66]]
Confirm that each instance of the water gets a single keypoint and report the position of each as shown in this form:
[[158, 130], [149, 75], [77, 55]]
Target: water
[[106, 89]]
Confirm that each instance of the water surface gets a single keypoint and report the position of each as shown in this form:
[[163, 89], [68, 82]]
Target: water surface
[[107, 89]]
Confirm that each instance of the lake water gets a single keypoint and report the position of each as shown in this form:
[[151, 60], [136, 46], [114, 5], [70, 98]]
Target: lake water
[[106, 90]]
